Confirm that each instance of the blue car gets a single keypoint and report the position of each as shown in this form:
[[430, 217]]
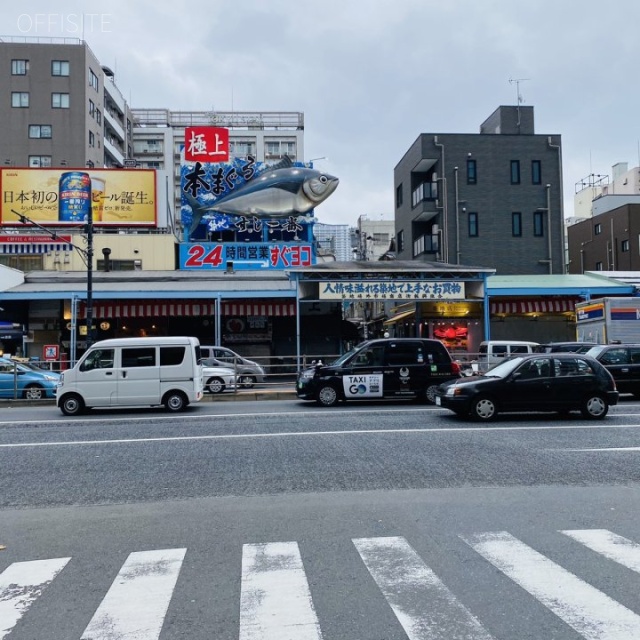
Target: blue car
[[19, 380]]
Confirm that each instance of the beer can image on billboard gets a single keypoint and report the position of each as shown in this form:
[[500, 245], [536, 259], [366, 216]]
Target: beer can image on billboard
[[74, 203]]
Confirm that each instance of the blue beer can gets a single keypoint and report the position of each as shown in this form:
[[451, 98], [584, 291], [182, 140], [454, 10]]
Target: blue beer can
[[74, 197]]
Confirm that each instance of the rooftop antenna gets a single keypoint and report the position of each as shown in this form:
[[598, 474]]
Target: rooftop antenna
[[518, 94]]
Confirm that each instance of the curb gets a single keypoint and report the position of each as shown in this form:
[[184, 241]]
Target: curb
[[231, 396]]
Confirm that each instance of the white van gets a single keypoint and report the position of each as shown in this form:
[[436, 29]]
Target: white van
[[126, 372], [492, 352]]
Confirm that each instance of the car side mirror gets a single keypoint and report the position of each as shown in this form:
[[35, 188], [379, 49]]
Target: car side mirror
[[516, 375]]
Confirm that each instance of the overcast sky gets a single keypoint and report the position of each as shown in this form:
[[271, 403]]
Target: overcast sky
[[371, 75]]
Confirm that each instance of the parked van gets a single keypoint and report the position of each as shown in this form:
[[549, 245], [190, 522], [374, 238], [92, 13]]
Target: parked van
[[492, 352], [126, 372]]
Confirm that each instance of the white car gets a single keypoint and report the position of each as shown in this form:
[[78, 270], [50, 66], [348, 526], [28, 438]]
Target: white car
[[218, 379]]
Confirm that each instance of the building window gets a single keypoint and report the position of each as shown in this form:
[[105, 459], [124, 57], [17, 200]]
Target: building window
[[92, 108], [472, 172], [598, 266], [39, 130], [515, 172], [516, 224], [93, 80], [60, 100], [400, 241], [92, 139], [242, 148], [59, 67], [20, 99], [399, 196], [98, 116], [19, 67], [538, 223], [39, 161], [536, 172], [624, 246], [597, 229], [473, 225]]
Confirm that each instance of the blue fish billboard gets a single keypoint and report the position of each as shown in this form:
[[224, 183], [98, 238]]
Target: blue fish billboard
[[245, 201]]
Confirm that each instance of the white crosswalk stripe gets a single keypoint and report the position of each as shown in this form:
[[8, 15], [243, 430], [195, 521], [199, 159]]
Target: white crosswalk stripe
[[609, 545], [590, 612], [20, 584], [137, 602], [424, 606], [276, 601]]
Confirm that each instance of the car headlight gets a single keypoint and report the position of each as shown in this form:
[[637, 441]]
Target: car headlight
[[51, 378], [308, 374]]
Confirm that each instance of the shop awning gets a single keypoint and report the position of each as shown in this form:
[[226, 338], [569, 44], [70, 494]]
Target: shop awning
[[150, 309], [518, 307], [401, 316], [258, 309], [184, 308]]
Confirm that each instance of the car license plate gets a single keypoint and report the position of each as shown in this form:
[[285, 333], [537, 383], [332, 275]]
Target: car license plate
[[438, 402]]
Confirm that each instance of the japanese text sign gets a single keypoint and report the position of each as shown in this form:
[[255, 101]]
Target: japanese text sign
[[206, 144]]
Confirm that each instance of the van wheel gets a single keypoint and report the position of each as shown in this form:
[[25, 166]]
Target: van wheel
[[72, 405], [215, 385], [483, 409], [327, 396], [246, 381], [594, 407], [175, 401]]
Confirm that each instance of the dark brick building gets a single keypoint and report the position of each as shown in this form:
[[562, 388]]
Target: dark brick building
[[492, 199], [606, 242]]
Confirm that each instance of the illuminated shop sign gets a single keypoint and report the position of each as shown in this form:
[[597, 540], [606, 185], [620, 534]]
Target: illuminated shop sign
[[405, 290], [250, 255]]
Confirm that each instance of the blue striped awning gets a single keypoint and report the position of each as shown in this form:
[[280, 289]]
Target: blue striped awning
[[33, 248]]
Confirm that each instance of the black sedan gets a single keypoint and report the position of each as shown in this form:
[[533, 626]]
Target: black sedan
[[560, 382]]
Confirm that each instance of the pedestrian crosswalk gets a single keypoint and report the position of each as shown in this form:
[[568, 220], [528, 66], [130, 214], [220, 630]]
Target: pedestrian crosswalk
[[276, 601]]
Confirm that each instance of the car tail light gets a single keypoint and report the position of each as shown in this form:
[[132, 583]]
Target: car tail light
[[455, 368]]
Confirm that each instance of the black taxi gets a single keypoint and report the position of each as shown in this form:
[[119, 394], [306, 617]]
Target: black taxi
[[397, 368]]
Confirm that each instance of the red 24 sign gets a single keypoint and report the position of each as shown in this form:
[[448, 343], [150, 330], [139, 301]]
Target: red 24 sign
[[199, 256]]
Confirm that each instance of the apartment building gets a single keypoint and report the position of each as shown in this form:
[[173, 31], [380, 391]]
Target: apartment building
[[59, 106], [491, 199]]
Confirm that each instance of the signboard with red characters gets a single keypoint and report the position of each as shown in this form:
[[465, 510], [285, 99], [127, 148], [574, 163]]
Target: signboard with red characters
[[206, 144]]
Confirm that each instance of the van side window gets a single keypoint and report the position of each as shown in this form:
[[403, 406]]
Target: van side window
[[519, 348], [172, 355], [98, 359], [499, 349], [139, 357], [615, 356]]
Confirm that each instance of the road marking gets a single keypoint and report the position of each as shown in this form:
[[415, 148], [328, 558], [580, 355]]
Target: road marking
[[610, 545], [583, 607], [275, 601], [20, 584], [138, 599], [604, 449], [424, 606], [345, 432]]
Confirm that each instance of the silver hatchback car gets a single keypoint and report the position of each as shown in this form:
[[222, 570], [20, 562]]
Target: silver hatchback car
[[248, 372]]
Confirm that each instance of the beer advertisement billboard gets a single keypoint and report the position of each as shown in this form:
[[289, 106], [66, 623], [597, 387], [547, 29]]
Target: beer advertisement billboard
[[116, 197]]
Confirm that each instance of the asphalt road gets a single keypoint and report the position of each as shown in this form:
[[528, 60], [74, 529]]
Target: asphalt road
[[376, 521]]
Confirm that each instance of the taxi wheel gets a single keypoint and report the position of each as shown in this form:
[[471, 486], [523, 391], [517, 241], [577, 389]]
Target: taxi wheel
[[484, 409], [327, 396], [595, 407], [430, 394]]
